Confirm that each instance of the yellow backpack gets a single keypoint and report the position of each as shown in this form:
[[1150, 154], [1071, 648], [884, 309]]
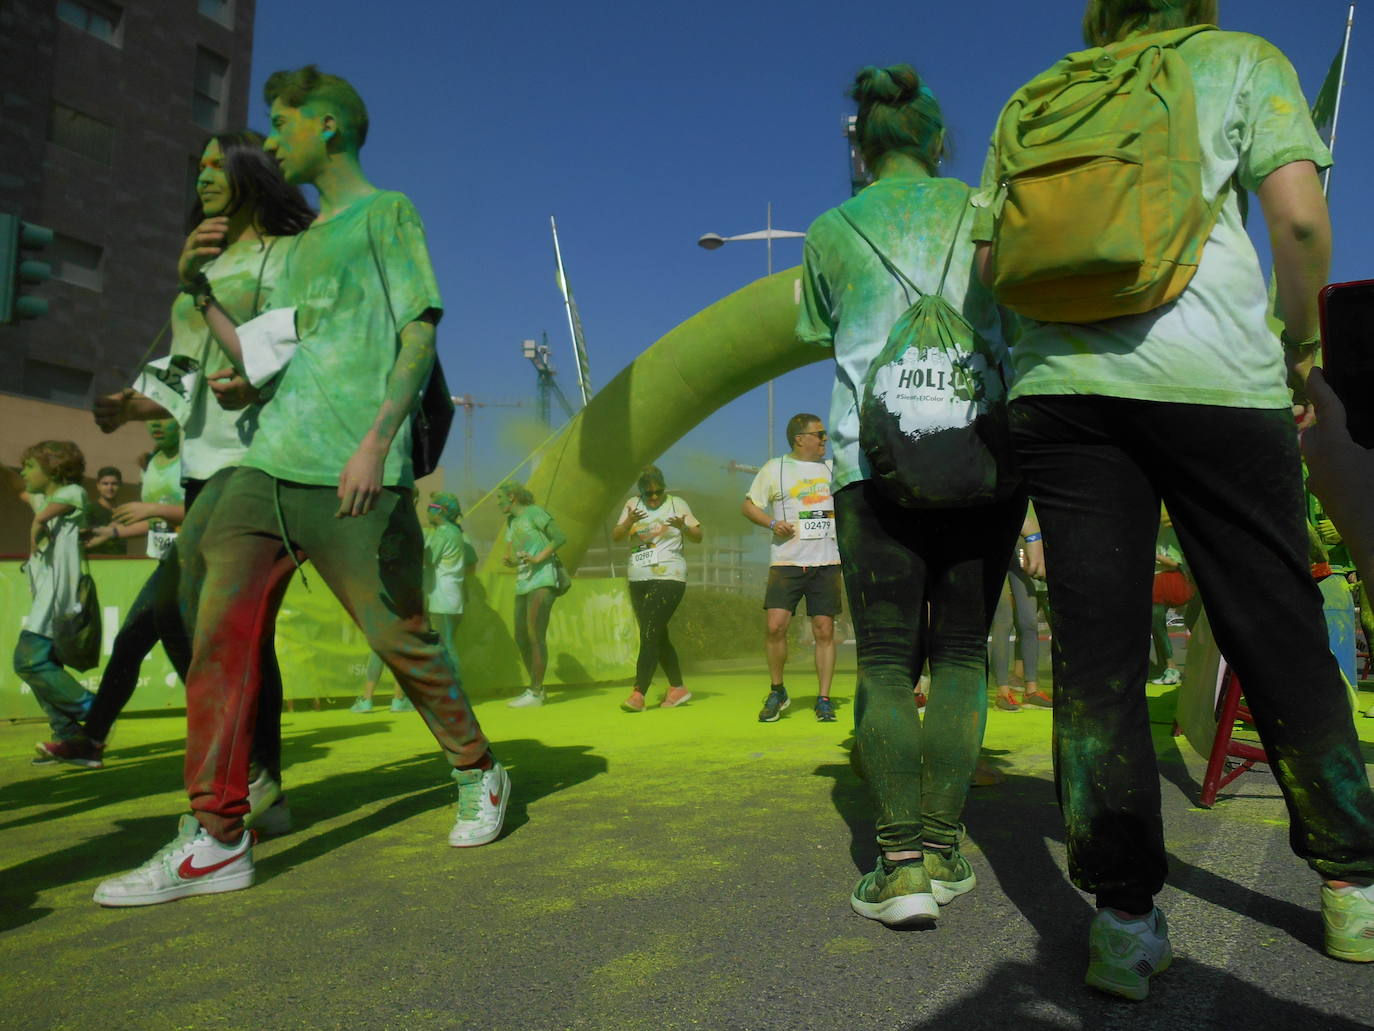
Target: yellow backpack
[[1099, 208]]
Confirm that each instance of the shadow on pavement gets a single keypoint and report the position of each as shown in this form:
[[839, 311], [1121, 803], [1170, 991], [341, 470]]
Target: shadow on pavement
[[422, 784]]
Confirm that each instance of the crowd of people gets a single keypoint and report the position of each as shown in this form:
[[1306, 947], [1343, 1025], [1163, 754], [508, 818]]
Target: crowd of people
[[1188, 402]]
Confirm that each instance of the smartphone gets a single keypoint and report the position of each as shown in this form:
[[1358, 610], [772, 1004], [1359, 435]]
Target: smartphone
[[1347, 314]]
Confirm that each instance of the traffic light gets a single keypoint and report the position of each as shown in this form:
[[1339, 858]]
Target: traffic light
[[16, 272]]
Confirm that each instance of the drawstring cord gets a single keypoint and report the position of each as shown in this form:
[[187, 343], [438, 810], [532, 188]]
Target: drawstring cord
[[281, 527]]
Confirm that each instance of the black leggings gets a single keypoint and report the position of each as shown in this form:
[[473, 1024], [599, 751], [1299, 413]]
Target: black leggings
[[654, 602], [1098, 468], [532, 612]]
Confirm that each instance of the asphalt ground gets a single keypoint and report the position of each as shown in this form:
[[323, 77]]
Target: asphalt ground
[[684, 868]]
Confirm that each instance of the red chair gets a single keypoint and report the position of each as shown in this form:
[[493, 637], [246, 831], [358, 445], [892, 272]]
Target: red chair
[[1229, 758]]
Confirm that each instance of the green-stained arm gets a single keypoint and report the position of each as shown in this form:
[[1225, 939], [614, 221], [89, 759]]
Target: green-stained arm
[[360, 483]]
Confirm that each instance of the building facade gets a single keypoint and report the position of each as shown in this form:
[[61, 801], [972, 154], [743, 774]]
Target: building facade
[[104, 109]]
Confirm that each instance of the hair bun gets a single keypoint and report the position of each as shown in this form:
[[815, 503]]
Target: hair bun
[[894, 85]]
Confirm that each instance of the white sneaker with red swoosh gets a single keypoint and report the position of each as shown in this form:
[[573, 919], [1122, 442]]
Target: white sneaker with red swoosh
[[193, 863], [482, 798]]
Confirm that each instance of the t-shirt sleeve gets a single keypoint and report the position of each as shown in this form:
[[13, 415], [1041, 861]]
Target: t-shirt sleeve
[[399, 236], [815, 318], [69, 494], [983, 198], [685, 510], [763, 490], [1276, 127]]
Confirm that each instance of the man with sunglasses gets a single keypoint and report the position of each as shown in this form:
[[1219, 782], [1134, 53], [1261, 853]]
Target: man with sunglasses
[[790, 496]]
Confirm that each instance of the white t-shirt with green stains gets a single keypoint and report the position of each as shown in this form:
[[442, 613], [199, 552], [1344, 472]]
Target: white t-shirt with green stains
[[799, 493], [355, 282], [55, 568], [162, 486], [655, 544], [445, 553], [851, 301], [244, 279], [1212, 345]]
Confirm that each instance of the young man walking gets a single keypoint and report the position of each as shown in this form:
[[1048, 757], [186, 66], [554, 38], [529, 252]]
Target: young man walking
[[790, 496], [328, 476]]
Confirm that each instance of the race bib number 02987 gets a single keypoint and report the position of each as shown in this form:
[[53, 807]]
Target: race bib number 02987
[[815, 525], [644, 557]]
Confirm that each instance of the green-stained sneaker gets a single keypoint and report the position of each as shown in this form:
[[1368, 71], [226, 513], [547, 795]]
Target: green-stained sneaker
[[1124, 954], [899, 897], [1348, 914], [950, 874]]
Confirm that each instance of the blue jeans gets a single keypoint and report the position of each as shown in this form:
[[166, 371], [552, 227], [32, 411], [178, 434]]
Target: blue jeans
[[62, 698]]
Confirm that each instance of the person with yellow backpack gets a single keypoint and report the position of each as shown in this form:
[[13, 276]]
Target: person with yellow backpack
[[1111, 217]]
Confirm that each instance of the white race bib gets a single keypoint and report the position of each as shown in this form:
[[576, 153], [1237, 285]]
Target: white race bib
[[161, 543], [815, 525], [644, 557]]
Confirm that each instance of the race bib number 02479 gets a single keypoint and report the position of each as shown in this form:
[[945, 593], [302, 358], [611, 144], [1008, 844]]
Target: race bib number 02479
[[815, 525]]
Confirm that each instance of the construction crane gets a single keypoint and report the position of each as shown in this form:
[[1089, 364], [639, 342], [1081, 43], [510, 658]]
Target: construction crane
[[467, 403], [547, 386]]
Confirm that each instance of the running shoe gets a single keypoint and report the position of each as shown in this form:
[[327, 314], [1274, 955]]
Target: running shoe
[[676, 696], [263, 792], [275, 819], [825, 710], [899, 895], [402, 705], [192, 863], [527, 700], [1124, 954], [361, 705], [635, 703], [482, 799], [75, 751], [773, 705], [1037, 699], [1348, 914], [1170, 676], [1007, 703], [950, 874]]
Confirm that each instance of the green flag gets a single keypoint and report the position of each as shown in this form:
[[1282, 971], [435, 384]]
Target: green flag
[[1324, 107]]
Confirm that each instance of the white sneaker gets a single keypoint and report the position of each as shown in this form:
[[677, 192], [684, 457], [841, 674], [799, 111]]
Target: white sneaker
[[263, 792], [275, 819], [482, 798], [192, 863], [527, 700], [1124, 954], [1171, 675]]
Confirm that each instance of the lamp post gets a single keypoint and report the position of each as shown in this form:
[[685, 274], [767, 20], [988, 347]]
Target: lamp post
[[713, 241]]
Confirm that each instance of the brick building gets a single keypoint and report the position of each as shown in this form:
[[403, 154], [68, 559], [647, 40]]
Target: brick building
[[104, 109]]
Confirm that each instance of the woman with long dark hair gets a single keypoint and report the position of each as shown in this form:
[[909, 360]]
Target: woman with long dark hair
[[922, 582], [1188, 403], [243, 209]]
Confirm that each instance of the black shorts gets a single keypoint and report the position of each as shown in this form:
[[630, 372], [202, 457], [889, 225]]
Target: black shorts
[[821, 586]]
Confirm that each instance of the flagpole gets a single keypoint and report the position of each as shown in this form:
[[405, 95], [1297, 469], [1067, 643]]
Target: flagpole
[[1340, 87], [567, 308]]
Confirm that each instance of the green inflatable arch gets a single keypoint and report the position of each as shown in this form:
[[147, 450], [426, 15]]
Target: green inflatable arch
[[735, 345]]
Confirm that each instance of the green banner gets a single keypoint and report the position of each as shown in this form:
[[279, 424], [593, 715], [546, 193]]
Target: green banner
[[322, 654]]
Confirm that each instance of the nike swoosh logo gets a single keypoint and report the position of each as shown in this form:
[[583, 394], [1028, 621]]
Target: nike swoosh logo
[[495, 799], [190, 871]]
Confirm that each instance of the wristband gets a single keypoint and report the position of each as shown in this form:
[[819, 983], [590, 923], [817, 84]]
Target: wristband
[[1300, 347], [200, 284], [772, 524], [1031, 538]]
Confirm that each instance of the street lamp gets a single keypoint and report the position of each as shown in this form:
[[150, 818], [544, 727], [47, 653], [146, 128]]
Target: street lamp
[[714, 241]]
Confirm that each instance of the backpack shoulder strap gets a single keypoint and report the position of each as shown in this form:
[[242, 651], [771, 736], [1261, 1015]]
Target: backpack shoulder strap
[[888, 264]]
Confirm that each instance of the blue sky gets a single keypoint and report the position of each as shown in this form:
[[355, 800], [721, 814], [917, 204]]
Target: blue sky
[[643, 126]]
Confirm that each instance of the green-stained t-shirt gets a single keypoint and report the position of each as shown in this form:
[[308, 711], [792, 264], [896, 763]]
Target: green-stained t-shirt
[[1212, 345], [528, 532], [55, 568], [445, 552], [355, 282], [244, 279], [851, 301]]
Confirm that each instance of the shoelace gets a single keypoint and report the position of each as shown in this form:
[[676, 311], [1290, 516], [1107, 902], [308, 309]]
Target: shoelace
[[470, 798]]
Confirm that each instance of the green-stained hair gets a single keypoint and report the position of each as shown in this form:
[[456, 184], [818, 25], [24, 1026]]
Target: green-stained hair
[[1106, 21], [517, 492], [61, 460], [324, 94], [897, 113], [651, 476], [447, 504]]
